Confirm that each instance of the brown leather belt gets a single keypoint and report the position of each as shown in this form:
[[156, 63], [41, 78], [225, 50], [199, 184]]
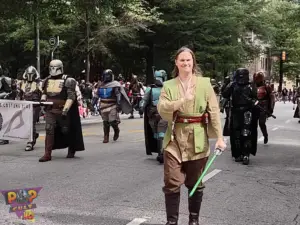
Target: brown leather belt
[[189, 120], [199, 119], [57, 103]]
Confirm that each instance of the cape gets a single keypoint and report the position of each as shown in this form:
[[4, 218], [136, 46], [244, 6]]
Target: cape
[[296, 114], [125, 103], [74, 138], [150, 141]]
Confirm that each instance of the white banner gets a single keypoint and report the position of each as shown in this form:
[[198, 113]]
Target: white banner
[[16, 120]]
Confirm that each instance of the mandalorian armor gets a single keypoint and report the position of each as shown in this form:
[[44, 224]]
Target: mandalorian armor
[[266, 102], [59, 89], [30, 90], [110, 104], [6, 92], [135, 87], [5, 85], [154, 126]]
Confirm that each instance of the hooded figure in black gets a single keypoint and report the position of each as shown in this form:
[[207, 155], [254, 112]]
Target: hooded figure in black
[[243, 120], [154, 126]]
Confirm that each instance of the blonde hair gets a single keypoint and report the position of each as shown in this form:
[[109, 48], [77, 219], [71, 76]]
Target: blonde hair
[[196, 68]]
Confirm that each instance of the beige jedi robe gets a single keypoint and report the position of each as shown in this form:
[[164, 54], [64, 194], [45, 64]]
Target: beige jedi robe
[[183, 147]]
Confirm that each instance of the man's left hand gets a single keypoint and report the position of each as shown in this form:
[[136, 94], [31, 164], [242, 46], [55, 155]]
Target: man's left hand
[[221, 144]]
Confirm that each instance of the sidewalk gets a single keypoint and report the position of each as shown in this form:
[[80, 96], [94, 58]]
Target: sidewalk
[[96, 119]]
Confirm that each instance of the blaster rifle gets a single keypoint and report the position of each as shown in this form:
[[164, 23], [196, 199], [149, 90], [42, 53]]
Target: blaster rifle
[[255, 103]]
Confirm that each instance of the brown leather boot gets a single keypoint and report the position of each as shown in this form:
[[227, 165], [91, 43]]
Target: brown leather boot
[[194, 207], [49, 141], [172, 207], [106, 129]]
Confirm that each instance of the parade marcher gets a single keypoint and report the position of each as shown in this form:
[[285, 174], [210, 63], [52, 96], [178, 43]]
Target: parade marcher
[[186, 102], [296, 101], [284, 94], [63, 125], [30, 90], [154, 126], [266, 101], [215, 86], [225, 105], [135, 87], [113, 99], [6, 92], [243, 116]]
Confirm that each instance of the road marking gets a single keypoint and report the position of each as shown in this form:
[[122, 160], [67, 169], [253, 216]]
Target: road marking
[[137, 221], [210, 175], [261, 138], [138, 140], [135, 131], [287, 121], [84, 134], [275, 128]]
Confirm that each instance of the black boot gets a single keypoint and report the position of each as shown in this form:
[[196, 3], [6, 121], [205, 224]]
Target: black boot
[[4, 142], [71, 153], [239, 159], [116, 128], [172, 208], [266, 139], [160, 157], [194, 207], [106, 129], [246, 160]]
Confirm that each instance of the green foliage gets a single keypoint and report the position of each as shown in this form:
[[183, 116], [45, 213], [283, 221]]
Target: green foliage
[[123, 31]]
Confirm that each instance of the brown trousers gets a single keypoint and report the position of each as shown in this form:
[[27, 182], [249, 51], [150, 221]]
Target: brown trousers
[[176, 174]]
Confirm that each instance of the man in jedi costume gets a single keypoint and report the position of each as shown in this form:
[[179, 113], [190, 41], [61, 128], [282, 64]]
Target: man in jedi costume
[[189, 105]]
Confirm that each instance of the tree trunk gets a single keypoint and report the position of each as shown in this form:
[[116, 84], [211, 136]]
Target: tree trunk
[[87, 70], [149, 63]]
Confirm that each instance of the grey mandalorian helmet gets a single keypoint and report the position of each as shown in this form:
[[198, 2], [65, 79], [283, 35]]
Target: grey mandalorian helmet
[[31, 74], [56, 67]]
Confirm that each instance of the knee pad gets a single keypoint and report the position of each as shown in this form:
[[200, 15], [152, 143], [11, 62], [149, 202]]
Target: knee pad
[[49, 129], [114, 123], [106, 123]]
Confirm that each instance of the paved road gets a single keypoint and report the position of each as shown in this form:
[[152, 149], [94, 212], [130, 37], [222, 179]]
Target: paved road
[[117, 184]]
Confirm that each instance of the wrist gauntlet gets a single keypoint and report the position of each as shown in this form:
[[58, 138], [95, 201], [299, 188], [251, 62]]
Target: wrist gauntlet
[[67, 106]]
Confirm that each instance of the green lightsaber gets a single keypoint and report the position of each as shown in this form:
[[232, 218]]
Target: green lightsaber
[[217, 153]]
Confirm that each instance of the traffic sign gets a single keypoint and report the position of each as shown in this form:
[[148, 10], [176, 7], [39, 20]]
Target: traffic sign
[[52, 41]]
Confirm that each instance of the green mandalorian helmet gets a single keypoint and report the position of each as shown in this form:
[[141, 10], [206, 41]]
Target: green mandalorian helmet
[[160, 75]]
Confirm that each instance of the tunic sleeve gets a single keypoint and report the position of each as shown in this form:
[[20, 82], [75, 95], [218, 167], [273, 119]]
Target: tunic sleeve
[[166, 107], [214, 112]]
